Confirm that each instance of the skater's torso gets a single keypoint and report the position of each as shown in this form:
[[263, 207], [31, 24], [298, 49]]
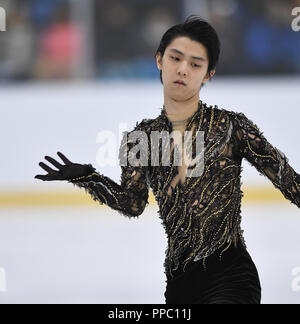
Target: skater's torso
[[200, 212]]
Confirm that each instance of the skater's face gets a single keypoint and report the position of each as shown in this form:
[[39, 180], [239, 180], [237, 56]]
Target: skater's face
[[185, 60]]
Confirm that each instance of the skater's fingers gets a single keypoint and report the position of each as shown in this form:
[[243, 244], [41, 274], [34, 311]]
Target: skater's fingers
[[46, 168], [54, 162], [39, 176], [43, 177], [67, 161]]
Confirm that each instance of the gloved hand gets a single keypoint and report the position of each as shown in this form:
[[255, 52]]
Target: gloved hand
[[66, 172]]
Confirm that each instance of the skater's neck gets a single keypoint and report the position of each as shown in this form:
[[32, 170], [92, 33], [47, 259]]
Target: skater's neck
[[177, 111]]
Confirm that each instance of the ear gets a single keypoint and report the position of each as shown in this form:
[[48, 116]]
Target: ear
[[209, 76], [159, 61]]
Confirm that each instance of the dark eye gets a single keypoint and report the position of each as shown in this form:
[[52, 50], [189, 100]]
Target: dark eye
[[175, 58], [195, 65]]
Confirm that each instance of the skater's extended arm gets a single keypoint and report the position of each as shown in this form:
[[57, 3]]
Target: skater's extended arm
[[267, 159], [129, 198]]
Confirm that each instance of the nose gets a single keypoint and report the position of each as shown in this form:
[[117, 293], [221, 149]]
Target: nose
[[182, 69]]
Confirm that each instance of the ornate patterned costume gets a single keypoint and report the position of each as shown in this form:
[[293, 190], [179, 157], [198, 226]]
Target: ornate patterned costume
[[201, 215]]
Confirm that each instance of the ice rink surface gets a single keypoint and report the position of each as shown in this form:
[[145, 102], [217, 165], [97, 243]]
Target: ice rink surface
[[95, 255]]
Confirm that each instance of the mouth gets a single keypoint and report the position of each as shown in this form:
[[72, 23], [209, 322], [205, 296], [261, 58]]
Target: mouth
[[180, 83]]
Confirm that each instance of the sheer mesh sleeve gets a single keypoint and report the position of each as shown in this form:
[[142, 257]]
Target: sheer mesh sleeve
[[267, 159], [130, 197]]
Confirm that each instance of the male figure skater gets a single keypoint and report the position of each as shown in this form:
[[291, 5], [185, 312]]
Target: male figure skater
[[207, 261]]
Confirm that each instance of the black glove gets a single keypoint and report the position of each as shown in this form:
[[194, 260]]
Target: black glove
[[66, 172]]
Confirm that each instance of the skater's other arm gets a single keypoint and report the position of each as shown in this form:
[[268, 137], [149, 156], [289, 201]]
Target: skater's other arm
[[267, 159]]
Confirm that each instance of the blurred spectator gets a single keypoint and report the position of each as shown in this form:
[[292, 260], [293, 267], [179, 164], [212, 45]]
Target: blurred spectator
[[59, 47]]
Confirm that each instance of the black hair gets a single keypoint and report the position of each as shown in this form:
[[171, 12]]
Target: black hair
[[197, 29]]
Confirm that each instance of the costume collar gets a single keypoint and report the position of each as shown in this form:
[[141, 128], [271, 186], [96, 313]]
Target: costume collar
[[163, 114]]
